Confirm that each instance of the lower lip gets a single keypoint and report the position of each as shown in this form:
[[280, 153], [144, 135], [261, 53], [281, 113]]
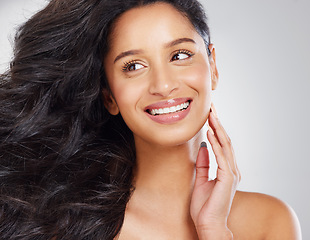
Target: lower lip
[[170, 118]]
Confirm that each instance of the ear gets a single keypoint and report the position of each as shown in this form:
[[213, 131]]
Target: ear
[[214, 72], [109, 102]]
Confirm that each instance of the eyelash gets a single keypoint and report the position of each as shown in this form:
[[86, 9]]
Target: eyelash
[[184, 51], [126, 66]]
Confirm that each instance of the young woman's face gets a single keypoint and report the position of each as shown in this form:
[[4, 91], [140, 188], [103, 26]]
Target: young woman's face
[[159, 74]]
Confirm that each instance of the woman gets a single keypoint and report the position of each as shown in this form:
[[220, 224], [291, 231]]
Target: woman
[[102, 116]]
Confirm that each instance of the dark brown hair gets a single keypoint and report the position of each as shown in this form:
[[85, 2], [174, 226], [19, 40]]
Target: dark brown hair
[[66, 164]]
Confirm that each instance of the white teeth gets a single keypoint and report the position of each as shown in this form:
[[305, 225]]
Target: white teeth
[[173, 109]]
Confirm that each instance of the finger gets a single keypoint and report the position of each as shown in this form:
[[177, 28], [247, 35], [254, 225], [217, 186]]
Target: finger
[[234, 164], [218, 151], [218, 129], [224, 140], [224, 133], [214, 109], [239, 174], [202, 165]]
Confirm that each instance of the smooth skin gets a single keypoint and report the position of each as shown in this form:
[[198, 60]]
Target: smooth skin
[[154, 61]]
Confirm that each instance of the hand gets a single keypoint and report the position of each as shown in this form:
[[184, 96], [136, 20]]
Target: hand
[[212, 199]]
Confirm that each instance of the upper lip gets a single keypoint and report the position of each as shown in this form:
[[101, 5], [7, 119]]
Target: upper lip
[[168, 103]]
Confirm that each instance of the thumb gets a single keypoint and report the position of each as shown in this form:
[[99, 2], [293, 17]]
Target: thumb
[[202, 165]]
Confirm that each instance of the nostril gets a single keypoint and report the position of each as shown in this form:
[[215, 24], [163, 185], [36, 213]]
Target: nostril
[[165, 90], [163, 83]]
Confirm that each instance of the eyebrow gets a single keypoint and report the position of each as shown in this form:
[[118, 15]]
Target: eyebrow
[[127, 53], [179, 41], [168, 45]]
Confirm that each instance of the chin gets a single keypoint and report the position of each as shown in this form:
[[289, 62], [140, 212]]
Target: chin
[[174, 137]]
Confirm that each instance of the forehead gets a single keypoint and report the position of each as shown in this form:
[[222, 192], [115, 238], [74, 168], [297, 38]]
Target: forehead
[[158, 22]]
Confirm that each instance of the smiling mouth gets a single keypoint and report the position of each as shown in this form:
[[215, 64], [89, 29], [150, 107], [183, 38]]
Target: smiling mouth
[[169, 110]]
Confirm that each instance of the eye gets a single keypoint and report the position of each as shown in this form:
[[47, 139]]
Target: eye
[[181, 55], [132, 66]]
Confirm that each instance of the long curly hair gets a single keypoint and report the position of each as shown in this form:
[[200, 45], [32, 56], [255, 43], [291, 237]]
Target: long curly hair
[[66, 164]]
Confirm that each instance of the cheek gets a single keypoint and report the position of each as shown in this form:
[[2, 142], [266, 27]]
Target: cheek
[[198, 77], [127, 95], [125, 98]]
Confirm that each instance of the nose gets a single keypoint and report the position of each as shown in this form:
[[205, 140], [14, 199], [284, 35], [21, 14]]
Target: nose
[[163, 81]]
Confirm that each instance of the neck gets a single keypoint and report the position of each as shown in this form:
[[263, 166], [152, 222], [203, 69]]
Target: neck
[[164, 175]]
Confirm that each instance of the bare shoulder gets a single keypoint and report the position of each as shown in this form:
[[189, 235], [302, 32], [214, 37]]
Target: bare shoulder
[[260, 216]]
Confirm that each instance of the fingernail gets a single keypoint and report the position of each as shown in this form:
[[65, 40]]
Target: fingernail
[[214, 110], [211, 130], [203, 144]]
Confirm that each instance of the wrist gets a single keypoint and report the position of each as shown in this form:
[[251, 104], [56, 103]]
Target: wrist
[[215, 234]]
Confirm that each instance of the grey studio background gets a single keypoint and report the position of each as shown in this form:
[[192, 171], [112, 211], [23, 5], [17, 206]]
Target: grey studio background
[[263, 57]]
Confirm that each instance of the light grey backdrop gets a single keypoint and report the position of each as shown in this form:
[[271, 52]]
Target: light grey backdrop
[[263, 98], [263, 56]]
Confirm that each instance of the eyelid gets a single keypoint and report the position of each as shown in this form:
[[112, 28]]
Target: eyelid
[[184, 51], [126, 65]]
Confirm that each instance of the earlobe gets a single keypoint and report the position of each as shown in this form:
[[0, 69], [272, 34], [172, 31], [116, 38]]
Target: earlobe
[[109, 102], [214, 71]]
